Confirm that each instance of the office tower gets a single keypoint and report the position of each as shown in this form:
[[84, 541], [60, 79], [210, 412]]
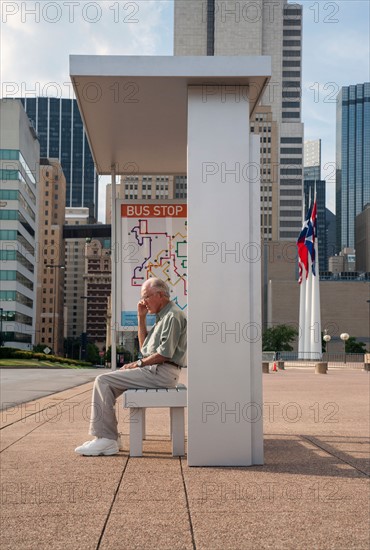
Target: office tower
[[59, 128], [353, 159], [313, 184], [19, 174], [363, 240], [331, 233], [74, 276], [312, 160], [260, 28], [51, 265], [97, 289], [319, 187]]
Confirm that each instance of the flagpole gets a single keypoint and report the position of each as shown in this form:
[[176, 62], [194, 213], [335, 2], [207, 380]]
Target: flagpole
[[308, 312], [302, 316], [316, 345]]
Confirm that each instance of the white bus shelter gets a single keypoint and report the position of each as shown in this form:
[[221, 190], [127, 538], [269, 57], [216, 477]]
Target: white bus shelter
[[176, 115]]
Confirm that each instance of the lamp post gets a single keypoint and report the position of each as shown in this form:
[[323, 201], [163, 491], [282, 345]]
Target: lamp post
[[327, 339], [344, 337], [54, 266]]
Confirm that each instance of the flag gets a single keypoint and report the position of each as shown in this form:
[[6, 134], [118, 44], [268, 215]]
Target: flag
[[302, 247], [311, 236]]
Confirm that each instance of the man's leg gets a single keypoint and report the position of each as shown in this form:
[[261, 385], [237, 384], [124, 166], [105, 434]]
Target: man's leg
[[108, 387]]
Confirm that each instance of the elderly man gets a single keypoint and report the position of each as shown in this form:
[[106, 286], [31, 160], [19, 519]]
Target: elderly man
[[163, 351]]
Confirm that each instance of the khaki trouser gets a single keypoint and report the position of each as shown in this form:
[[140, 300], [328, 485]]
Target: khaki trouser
[[109, 386]]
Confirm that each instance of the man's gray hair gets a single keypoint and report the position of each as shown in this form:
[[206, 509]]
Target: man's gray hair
[[159, 285]]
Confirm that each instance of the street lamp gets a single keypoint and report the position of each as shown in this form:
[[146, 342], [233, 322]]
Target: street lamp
[[54, 266], [327, 339], [344, 337]]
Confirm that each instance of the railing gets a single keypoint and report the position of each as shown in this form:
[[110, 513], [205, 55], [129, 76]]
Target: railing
[[291, 358]]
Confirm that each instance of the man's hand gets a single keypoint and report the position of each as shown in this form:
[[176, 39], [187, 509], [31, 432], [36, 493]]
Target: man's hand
[[129, 366], [142, 310]]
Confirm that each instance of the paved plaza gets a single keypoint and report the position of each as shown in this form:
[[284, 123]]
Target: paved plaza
[[312, 492]]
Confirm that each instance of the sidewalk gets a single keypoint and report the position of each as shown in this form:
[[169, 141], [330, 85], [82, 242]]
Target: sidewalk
[[312, 492]]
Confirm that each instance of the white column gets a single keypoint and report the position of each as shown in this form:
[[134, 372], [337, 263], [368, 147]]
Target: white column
[[114, 260], [224, 315]]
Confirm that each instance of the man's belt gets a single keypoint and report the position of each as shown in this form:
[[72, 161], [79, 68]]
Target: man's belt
[[172, 363]]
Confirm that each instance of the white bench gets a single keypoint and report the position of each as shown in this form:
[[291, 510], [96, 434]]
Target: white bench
[[141, 399]]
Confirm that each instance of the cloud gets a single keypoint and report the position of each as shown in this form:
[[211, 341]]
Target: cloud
[[38, 37]]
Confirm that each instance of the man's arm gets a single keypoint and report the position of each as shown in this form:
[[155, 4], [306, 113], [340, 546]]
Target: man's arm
[[155, 359], [141, 316]]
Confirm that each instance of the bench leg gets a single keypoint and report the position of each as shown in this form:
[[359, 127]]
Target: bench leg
[[136, 431], [177, 431], [144, 422]]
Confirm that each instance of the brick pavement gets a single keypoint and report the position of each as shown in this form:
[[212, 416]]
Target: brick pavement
[[312, 492]]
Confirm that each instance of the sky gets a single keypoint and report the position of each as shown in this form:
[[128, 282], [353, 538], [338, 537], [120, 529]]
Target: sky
[[37, 38]]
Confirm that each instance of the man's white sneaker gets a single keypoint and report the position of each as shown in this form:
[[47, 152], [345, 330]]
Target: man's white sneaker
[[97, 447]]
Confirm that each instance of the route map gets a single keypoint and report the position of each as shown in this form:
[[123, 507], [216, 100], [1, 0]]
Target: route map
[[154, 244]]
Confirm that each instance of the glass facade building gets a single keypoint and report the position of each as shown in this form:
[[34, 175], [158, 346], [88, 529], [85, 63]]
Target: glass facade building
[[19, 250], [318, 186], [353, 159], [62, 136]]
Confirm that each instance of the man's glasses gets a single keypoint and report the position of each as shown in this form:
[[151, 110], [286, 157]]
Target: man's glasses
[[145, 298]]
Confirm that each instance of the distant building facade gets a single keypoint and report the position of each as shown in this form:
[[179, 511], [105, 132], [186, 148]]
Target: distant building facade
[[319, 187], [344, 262], [223, 28], [51, 267], [331, 233], [363, 240], [312, 160], [97, 289], [74, 274], [19, 201], [62, 136], [352, 159]]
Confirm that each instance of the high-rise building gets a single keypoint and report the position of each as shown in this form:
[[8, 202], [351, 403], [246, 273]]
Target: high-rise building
[[331, 233], [260, 28], [318, 187], [312, 160], [97, 290], [363, 240], [19, 175], [312, 185], [74, 275], [62, 136], [51, 265], [352, 159]]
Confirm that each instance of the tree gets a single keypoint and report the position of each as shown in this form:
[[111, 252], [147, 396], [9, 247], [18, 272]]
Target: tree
[[278, 338], [352, 346], [92, 353]]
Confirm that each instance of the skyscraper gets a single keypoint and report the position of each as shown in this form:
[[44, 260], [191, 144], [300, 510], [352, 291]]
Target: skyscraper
[[318, 187], [260, 28], [353, 159], [51, 265], [313, 184], [19, 250], [312, 160], [60, 130]]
